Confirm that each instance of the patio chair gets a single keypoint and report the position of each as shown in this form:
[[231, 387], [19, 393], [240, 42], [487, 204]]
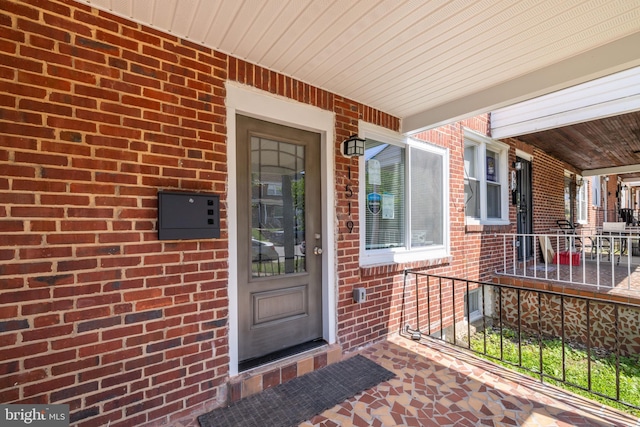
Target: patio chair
[[627, 216], [570, 229], [580, 242], [614, 230]]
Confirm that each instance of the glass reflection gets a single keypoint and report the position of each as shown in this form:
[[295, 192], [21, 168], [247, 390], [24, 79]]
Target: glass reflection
[[277, 207]]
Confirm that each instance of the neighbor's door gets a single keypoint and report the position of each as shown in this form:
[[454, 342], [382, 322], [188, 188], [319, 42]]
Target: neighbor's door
[[279, 237], [524, 202]]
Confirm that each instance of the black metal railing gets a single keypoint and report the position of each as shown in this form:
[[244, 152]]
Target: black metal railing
[[468, 314]]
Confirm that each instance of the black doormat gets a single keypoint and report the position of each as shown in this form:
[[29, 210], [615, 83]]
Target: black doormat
[[302, 398]]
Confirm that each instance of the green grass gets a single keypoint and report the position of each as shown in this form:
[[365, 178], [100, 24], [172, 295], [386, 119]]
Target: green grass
[[603, 365]]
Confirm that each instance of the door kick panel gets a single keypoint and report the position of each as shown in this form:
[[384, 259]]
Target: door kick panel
[[279, 306]]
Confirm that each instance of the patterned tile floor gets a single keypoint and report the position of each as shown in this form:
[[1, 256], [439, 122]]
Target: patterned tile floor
[[437, 385], [440, 386]]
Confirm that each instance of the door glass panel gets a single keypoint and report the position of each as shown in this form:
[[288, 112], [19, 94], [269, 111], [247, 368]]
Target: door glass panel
[[277, 208]]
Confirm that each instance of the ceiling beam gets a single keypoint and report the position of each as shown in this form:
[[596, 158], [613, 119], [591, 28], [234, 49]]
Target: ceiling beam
[[612, 170], [613, 57]]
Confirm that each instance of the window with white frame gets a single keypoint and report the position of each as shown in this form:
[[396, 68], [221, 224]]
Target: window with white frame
[[582, 200], [567, 196], [485, 179], [403, 198], [595, 190], [473, 305]]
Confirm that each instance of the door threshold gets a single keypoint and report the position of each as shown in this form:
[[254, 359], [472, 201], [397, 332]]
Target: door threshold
[[246, 365]]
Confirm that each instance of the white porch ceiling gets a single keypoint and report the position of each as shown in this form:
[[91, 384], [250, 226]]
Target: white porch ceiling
[[425, 61]]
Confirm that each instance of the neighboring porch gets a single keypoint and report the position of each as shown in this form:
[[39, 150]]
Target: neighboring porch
[[438, 385], [588, 263]]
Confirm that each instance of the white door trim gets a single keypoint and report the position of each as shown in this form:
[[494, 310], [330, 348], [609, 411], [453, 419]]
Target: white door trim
[[262, 105]]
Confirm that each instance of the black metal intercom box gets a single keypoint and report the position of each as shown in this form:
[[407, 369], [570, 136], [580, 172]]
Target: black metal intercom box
[[188, 215]]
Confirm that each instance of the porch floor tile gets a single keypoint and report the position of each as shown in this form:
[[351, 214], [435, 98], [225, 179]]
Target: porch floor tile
[[440, 386], [437, 385], [604, 278]]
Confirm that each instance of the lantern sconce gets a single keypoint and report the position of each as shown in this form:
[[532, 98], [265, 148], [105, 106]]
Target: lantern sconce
[[517, 165], [579, 182], [353, 146]]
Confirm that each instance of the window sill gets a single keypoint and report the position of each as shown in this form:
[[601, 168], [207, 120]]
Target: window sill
[[488, 228], [382, 269]]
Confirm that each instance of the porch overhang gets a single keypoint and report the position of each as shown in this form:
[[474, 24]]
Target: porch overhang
[[427, 63], [594, 126], [605, 60]]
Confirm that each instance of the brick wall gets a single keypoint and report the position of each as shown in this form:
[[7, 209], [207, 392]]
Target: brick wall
[[96, 115]]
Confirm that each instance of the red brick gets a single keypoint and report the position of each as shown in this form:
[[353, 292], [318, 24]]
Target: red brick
[[7, 340], [75, 341], [75, 365], [118, 356], [71, 238], [100, 348], [146, 338], [71, 291], [49, 359], [142, 294], [93, 313], [97, 300], [121, 332], [70, 392], [55, 384], [124, 378], [154, 303], [166, 409], [85, 264], [23, 378], [10, 395], [102, 371], [47, 333], [47, 252], [206, 395], [22, 296], [168, 376], [8, 312], [106, 395], [48, 320], [127, 399]]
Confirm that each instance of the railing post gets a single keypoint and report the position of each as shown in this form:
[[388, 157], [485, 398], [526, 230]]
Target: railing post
[[453, 299], [519, 328], [588, 308], [468, 318], [562, 331], [484, 322], [617, 332], [629, 253], [500, 314], [440, 297], [540, 336], [429, 304]]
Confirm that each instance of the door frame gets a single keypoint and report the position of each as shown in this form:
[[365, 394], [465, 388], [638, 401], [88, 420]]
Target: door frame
[[530, 242], [265, 106]]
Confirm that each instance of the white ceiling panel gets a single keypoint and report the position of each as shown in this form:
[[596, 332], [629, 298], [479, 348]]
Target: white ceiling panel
[[419, 60]]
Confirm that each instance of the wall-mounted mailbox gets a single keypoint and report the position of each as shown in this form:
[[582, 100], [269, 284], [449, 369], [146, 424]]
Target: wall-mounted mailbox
[[188, 215]]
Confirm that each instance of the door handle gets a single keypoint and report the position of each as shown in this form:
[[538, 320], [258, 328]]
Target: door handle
[[317, 251]]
